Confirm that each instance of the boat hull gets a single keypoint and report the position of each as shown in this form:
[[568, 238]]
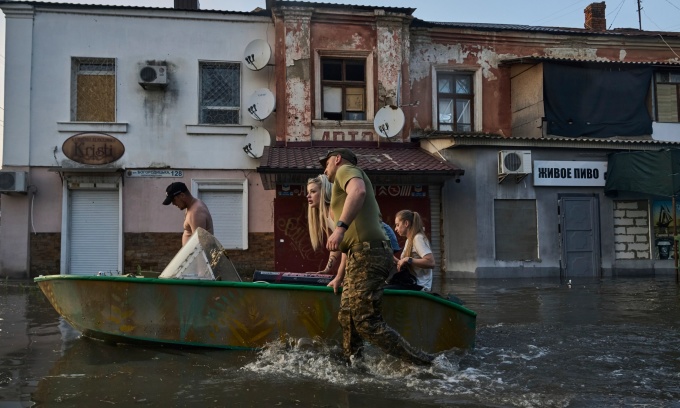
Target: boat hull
[[239, 315]]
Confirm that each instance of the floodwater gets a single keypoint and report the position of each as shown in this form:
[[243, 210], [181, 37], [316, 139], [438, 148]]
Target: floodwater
[[540, 343]]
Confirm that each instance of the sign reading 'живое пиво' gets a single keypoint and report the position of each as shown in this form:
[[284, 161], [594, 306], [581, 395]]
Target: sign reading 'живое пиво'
[[570, 173]]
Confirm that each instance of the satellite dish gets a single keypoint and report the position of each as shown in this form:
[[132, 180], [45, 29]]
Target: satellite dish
[[261, 104], [257, 54], [388, 121], [256, 140]]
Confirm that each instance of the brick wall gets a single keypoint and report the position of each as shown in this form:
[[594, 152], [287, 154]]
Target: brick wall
[[153, 252], [631, 230], [45, 254]]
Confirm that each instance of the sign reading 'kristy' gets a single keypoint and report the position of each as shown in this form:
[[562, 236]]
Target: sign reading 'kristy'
[[93, 148]]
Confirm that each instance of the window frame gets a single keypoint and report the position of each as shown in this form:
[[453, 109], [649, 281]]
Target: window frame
[[237, 108], [476, 99], [344, 84], [76, 63], [655, 93], [369, 99], [455, 97]]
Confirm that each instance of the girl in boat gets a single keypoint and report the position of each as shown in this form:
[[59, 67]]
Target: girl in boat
[[319, 217], [417, 255]]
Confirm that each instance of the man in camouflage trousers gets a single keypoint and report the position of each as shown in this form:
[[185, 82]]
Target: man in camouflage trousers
[[359, 235]]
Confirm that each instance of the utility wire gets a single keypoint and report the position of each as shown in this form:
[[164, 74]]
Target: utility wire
[[552, 16]]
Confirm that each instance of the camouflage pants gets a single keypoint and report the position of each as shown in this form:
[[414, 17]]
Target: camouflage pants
[[361, 308]]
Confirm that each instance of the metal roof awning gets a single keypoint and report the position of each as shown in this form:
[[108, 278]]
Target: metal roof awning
[[404, 164]]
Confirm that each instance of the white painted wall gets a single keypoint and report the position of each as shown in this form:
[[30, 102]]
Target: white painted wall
[[156, 120]]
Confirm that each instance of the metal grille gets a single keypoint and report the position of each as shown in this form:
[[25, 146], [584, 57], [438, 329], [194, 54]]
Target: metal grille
[[93, 90], [220, 93]]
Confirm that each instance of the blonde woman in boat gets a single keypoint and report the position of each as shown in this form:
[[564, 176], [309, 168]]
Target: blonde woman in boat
[[417, 255], [319, 218]]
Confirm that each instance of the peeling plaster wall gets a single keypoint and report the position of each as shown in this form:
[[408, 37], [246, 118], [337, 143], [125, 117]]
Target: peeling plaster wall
[[297, 77], [483, 52]]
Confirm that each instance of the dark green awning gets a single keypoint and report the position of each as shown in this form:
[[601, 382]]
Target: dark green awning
[[648, 172]]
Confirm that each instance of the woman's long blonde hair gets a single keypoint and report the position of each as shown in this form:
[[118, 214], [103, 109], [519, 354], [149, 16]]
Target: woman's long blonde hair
[[318, 218], [415, 227]]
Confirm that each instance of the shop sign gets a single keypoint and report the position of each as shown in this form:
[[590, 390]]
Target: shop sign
[[570, 173], [93, 148]]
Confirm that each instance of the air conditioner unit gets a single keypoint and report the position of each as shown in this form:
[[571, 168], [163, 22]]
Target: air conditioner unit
[[514, 162], [153, 76], [12, 181]]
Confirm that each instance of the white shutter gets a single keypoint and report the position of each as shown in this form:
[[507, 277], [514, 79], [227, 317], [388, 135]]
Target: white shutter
[[94, 232], [226, 209], [435, 226]]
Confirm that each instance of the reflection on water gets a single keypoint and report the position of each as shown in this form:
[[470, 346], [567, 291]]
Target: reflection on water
[[539, 344]]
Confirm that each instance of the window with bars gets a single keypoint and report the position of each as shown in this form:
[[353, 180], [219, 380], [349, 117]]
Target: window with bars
[[93, 90], [454, 101], [667, 91], [343, 84], [220, 93]]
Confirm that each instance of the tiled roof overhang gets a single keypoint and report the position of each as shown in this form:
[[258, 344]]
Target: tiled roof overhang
[[396, 163], [536, 59]]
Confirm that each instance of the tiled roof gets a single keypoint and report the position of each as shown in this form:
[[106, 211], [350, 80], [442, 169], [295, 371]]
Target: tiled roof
[[610, 143], [534, 58], [384, 165]]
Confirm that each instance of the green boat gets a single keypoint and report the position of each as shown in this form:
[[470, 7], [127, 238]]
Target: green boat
[[199, 300]]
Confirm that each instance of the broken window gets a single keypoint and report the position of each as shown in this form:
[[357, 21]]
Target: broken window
[[454, 102], [93, 90], [343, 83], [220, 93]]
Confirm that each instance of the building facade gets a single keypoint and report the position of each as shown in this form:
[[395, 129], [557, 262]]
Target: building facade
[[106, 106], [502, 144]]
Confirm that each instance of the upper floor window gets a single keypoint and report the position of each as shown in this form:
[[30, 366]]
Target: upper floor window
[[667, 89], [93, 90], [220, 93], [455, 101], [343, 83]]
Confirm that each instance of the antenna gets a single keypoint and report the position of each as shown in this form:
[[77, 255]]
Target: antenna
[[257, 54], [256, 140], [389, 121], [261, 104]]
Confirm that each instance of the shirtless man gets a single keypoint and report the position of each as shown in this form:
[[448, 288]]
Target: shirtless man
[[197, 214]]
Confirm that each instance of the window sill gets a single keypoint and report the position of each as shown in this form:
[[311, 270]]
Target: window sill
[[103, 127], [347, 124], [238, 130]]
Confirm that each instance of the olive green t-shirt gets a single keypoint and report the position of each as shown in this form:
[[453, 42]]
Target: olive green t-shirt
[[366, 226]]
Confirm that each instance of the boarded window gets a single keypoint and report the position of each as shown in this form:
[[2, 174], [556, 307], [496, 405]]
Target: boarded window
[[516, 232], [455, 96], [343, 84], [220, 102], [93, 90]]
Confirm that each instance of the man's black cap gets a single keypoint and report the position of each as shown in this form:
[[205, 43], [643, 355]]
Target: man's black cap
[[173, 190], [343, 152]]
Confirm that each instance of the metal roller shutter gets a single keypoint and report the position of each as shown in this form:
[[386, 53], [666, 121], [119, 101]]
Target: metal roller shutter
[[94, 232], [226, 209]]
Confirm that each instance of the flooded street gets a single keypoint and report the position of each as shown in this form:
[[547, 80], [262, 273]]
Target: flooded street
[[540, 343]]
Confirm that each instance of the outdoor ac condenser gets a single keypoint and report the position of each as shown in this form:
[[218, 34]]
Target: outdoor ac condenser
[[514, 162], [12, 181]]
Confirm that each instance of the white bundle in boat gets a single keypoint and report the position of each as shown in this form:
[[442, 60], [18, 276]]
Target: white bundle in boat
[[202, 257]]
